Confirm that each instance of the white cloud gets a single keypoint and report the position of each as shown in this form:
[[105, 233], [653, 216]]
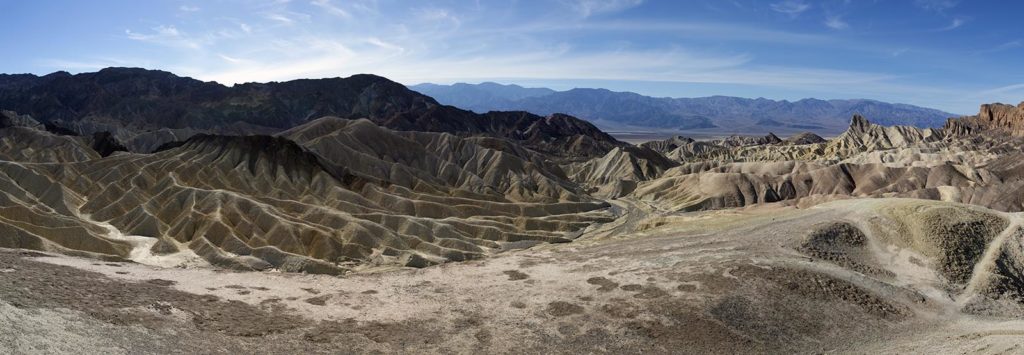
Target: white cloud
[[436, 15], [836, 23], [331, 9], [587, 8], [287, 17], [386, 45], [229, 59], [956, 23], [791, 7], [188, 8], [166, 35], [936, 5], [1010, 44], [1015, 89], [280, 18], [245, 28]]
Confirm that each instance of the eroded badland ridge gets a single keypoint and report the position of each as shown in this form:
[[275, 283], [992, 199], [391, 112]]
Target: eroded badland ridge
[[145, 212]]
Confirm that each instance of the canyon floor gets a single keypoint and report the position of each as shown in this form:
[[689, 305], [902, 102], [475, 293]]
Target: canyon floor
[[753, 280]]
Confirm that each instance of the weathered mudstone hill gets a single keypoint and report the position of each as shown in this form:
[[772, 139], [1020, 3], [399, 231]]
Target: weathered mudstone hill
[[804, 138], [867, 160], [742, 141], [325, 197]]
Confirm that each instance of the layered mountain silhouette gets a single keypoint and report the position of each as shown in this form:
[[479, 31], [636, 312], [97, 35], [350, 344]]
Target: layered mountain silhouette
[[617, 110]]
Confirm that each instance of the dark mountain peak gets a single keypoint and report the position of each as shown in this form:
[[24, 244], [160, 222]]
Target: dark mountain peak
[[592, 91], [859, 123], [56, 74], [137, 76], [569, 125], [811, 100], [105, 144], [804, 138], [491, 84], [133, 71]]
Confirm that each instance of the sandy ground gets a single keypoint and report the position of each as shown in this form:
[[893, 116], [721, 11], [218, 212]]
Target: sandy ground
[[650, 282]]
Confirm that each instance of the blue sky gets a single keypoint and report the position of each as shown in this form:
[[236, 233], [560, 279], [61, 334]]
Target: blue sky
[[947, 54]]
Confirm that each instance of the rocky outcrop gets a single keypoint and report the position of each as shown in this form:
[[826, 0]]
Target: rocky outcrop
[[991, 117], [864, 136], [804, 138], [105, 144], [667, 145], [13, 119], [743, 141]]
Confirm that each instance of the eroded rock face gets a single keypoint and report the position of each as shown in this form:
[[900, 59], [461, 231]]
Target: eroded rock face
[[1003, 116], [991, 117]]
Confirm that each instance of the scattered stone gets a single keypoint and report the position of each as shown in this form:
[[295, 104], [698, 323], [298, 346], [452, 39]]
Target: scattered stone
[[562, 309], [318, 301], [606, 284], [161, 282], [516, 275], [632, 287]]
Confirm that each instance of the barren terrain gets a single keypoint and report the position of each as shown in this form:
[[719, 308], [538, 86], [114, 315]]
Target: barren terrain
[[384, 222], [751, 280]]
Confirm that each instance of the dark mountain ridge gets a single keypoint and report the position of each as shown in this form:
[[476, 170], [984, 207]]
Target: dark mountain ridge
[[146, 108]]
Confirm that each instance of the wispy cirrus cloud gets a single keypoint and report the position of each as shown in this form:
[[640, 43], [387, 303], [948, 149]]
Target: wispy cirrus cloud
[[937, 5], [326, 5], [836, 23], [954, 24], [1014, 44], [587, 8], [790, 7], [165, 35]]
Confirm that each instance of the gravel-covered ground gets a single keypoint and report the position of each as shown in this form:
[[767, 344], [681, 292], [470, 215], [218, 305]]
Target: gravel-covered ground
[[739, 281]]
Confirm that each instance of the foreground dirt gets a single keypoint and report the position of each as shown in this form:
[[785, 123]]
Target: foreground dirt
[[735, 281]]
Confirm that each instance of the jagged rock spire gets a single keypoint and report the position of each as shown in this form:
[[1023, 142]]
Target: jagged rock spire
[[859, 123]]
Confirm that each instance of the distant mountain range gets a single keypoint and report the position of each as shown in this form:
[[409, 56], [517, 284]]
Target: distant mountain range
[[618, 110], [144, 109]]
